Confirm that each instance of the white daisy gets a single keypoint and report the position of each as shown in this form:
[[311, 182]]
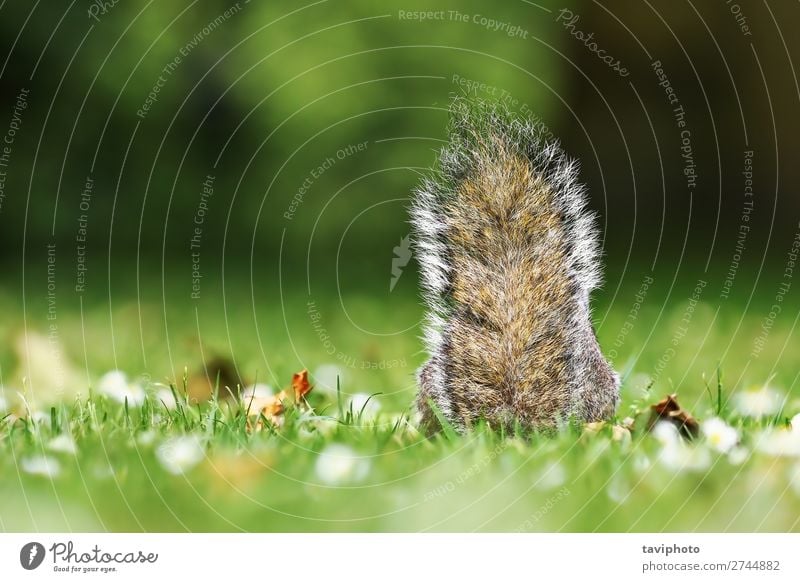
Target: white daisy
[[779, 442], [339, 464], [738, 455], [552, 476], [682, 457], [40, 416], [363, 402], [306, 431], [255, 391], [666, 433], [326, 427], [765, 401], [719, 434], [146, 438], [165, 397], [325, 378], [115, 385], [41, 465], [63, 443], [179, 454]]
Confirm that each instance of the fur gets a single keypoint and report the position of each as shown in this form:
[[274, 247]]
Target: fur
[[509, 256]]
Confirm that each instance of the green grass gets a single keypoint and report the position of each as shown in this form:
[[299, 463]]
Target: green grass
[[344, 466]]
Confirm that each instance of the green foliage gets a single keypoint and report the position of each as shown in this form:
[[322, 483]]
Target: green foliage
[[264, 95]]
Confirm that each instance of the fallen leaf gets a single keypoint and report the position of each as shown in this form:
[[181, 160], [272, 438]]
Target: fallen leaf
[[301, 385], [668, 410], [272, 407]]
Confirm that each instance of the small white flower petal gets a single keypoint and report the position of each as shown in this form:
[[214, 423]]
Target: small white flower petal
[[552, 476], [758, 403], [165, 397], [325, 378], [666, 433], [40, 416], [257, 391], [146, 438], [115, 385], [720, 436], [41, 465], [738, 455], [365, 405], [63, 443], [795, 422], [113, 382], [338, 464], [179, 454], [683, 457], [779, 442]]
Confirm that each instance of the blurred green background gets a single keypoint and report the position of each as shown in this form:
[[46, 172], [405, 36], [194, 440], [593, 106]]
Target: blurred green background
[[310, 124]]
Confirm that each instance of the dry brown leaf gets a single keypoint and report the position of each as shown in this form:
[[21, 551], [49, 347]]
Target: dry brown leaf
[[272, 407], [301, 385], [669, 410], [269, 407]]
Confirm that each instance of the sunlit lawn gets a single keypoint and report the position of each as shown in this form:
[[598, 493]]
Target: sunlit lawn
[[354, 463]]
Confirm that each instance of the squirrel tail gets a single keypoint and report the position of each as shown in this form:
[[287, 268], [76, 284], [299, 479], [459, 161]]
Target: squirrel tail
[[508, 255]]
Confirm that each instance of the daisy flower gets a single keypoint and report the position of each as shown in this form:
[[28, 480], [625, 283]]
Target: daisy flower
[[738, 455], [41, 465], [779, 442], [666, 433], [63, 443], [179, 454], [683, 457], [115, 385], [256, 391], [325, 378], [368, 407], [757, 403], [719, 435], [552, 476], [339, 464]]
